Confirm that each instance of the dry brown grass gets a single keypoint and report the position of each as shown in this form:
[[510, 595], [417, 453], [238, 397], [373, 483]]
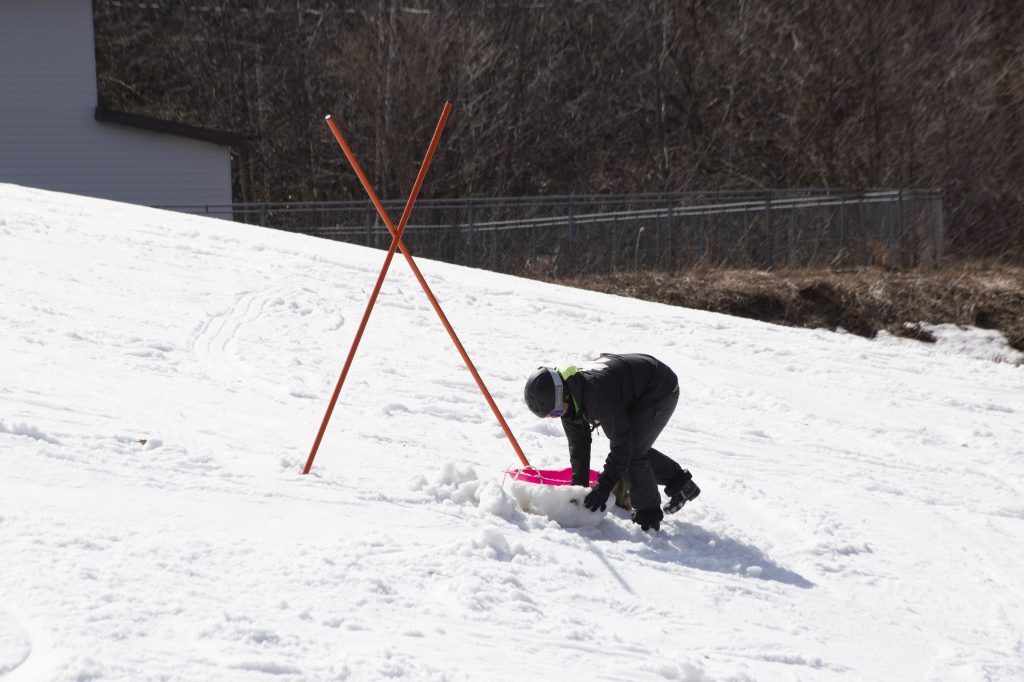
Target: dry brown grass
[[861, 301]]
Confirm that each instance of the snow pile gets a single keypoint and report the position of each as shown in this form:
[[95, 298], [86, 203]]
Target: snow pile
[[163, 378], [459, 484], [27, 430], [15, 645], [562, 504], [954, 339], [986, 344]]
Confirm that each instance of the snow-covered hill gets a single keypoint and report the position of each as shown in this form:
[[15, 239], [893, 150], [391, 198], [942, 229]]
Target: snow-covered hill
[[163, 376]]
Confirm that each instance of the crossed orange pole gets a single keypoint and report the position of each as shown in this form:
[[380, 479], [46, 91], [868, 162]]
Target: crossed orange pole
[[397, 243]]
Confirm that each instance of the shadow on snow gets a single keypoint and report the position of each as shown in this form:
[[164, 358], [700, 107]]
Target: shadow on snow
[[685, 544]]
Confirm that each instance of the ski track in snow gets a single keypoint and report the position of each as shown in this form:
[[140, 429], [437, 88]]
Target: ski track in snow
[[861, 511]]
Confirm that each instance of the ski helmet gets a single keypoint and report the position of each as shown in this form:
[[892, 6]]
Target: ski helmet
[[544, 393]]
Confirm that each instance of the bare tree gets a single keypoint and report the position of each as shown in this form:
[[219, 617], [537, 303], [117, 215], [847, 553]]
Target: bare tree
[[562, 96]]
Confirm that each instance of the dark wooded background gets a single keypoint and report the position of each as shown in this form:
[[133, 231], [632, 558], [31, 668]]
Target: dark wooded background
[[603, 96]]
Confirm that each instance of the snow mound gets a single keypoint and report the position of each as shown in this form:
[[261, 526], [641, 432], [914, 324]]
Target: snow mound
[[562, 504], [27, 430], [954, 339], [491, 543], [985, 344], [459, 484], [15, 645]]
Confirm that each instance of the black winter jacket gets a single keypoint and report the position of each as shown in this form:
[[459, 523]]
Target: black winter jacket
[[604, 393]]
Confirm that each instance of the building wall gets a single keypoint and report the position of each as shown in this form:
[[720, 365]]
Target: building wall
[[49, 137]]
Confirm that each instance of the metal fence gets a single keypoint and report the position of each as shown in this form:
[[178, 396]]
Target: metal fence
[[564, 236]]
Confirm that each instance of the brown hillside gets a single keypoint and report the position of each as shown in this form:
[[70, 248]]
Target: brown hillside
[[863, 301]]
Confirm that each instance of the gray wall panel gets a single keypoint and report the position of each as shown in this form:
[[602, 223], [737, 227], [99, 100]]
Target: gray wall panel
[[49, 137]]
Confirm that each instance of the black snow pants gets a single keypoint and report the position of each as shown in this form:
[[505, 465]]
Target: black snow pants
[[649, 468]]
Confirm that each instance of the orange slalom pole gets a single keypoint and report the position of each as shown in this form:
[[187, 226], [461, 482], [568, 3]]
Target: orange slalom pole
[[430, 295], [383, 272]]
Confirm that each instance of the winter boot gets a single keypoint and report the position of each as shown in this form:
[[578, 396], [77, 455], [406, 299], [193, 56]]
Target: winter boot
[[621, 493], [680, 490]]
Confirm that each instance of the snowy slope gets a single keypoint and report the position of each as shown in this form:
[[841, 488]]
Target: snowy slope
[[861, 516]]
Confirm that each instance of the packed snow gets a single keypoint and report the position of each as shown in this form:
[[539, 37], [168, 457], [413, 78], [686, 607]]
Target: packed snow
[[986, 344], [164, 376]]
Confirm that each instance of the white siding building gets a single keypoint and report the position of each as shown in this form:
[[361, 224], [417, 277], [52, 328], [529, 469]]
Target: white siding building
[[54, 136]]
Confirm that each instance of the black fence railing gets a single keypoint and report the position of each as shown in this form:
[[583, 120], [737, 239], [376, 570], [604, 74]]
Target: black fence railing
[[573, 235]]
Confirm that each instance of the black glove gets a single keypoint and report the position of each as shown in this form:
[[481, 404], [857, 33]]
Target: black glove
[[648, 519], [597, 497]]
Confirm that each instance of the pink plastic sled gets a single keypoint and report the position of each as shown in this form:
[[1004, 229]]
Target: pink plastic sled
[[546, 476]]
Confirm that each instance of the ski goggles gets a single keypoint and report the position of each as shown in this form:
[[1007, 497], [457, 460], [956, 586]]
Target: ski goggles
[[559, 395]]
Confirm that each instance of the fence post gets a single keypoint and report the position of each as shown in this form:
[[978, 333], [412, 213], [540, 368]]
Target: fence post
[[842, 225], [472, 233], [702, 236], [671, 239], [892, 233], [768, 232], [533, 246], [794, 219], [615, 244], [369, 224], [657, 243], [572, 236], [865, 232], [901, 234]]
